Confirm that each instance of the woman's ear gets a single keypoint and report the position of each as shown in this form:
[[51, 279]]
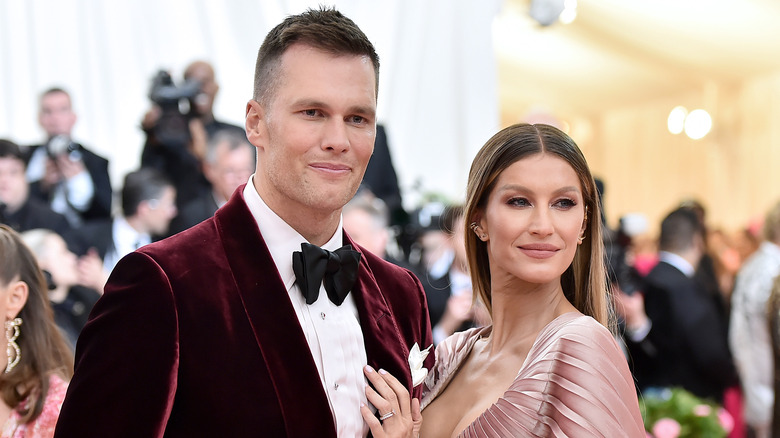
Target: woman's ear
[[477, 227], [16, 298]]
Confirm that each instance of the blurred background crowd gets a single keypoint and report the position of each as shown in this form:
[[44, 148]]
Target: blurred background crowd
[[692, 225]]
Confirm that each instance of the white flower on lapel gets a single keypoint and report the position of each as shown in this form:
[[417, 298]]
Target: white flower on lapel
[[416, 359]]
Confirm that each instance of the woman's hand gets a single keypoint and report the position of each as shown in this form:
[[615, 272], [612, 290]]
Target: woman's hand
[[402, 417]]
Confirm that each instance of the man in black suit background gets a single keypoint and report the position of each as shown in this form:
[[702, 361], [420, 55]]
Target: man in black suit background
[[176, 142], [73, 180], [18, 209], [228, 163], [680, 339], [148, 205]]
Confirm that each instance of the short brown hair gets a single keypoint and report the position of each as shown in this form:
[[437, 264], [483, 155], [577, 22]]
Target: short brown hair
[[325, 29]]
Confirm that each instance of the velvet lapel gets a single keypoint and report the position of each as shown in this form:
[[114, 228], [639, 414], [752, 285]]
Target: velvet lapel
[[385, 346], [288, 359]]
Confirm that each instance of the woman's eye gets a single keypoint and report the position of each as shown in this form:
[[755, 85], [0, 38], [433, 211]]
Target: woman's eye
[[519, 202], [564, 204]]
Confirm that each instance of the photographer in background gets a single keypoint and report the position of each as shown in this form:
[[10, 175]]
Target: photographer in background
[[71, 179], [179, 126]]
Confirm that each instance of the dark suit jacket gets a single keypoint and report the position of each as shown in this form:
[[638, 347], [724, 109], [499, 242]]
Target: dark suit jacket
[[97, 167], [196, 336], [98, 234], [687, 345], [33, 214], [195, 212]]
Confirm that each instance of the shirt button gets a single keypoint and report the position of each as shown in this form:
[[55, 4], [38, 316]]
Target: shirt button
[[322, 315]]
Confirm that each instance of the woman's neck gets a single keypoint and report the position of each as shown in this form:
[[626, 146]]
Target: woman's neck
[[521, 311]]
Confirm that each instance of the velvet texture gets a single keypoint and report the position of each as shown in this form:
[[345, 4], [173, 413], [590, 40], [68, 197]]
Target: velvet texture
[[196, 336]]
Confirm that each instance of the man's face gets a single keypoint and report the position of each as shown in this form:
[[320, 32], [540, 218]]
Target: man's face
[[160, 212], [56, 116], [13, 185], [204, 74], [231, 169], [316, 135]]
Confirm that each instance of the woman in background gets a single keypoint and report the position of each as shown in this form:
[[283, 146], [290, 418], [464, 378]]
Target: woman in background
[[548, 365], [38, 363]]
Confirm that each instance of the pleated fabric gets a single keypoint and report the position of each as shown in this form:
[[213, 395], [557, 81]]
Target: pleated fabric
[[575, 382]]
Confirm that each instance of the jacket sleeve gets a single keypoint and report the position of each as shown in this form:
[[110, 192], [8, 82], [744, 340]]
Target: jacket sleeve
[[126, 357]]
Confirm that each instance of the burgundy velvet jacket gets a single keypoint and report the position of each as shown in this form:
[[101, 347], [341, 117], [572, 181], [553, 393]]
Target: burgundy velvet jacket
[[196, 336]]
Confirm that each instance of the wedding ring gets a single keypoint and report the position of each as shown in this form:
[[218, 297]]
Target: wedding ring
[[387, 415]]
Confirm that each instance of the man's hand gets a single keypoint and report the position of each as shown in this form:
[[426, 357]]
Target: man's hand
[[91, 272], [631, 308], [68, 167]]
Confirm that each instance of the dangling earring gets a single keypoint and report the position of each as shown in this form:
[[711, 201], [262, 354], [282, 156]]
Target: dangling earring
[[584, 222], [13, 351]]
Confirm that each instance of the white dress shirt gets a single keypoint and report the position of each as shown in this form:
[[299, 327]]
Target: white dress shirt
[[333, 332], [126, 240], [749, 338]]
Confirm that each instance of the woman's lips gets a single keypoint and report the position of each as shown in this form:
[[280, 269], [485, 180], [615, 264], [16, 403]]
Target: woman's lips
[[539, 250]]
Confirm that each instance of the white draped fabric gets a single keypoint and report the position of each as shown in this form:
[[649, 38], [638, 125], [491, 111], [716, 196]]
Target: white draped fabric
[[438, 81]]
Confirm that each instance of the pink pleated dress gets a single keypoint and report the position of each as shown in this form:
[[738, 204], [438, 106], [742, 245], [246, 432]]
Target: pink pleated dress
[[575, 382]]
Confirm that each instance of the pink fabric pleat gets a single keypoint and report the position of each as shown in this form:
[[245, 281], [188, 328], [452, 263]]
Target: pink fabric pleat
[[575, 382]]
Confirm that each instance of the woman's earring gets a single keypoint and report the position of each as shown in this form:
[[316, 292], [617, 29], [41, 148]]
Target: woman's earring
[[581, 238], [12, 350], [473, 226]]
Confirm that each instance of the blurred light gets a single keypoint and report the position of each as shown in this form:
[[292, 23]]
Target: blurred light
[[676, 120], [546, 12], [698, 124], [569, 11]]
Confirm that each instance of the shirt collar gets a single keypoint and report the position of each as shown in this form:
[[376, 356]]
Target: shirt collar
[[678, 262], [282, 240], [126, 238]]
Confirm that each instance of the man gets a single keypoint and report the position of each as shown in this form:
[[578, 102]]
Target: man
[[207, 333], [229, 161], [17, 209], [680, 337], [148, 206], [749, 335], [68, 176], [176, 145]]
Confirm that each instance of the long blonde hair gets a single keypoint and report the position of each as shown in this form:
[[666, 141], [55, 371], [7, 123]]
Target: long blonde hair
[[584, 281]]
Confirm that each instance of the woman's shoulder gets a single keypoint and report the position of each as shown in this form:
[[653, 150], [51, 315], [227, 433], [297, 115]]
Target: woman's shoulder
[[575, 327], [450, 354]]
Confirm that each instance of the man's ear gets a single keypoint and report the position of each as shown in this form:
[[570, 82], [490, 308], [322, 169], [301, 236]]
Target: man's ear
[[256, 130], [16, 298]]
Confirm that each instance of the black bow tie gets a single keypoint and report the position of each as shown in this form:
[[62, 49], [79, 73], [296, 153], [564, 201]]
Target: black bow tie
[[338, 269]]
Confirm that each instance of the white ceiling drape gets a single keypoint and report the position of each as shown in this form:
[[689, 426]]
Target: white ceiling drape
[[438, 82]]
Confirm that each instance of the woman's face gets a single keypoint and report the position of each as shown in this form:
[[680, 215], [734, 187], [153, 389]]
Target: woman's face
[[533, 219]]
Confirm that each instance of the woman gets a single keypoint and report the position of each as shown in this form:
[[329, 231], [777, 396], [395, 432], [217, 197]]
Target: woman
[[70, 301], [547, 366], [38, 363]]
